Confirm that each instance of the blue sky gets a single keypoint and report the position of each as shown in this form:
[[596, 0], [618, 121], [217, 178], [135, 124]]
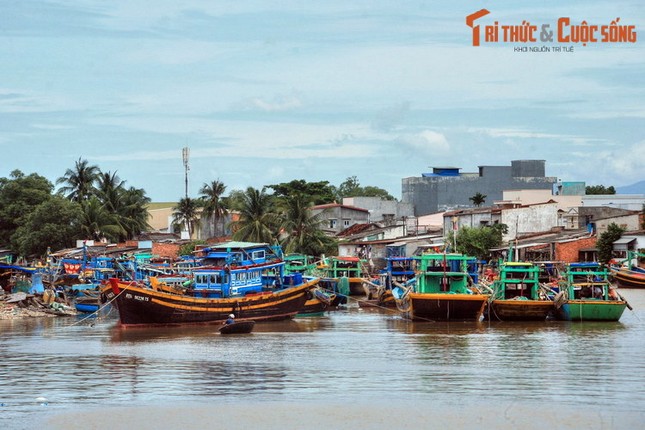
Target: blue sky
[[265, 92]]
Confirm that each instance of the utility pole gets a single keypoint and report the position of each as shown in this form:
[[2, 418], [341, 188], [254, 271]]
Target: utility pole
[[185, 153]]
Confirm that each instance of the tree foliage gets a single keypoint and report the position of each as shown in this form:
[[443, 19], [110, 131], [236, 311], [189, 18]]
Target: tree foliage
[[351, 187], [258, 221], [53, 223], [478, 199], [478, 241], [599, 189], [214, 205], [605, 243], [79, 182], [187, 213], [20, 195], [317, 192], [301, 230]]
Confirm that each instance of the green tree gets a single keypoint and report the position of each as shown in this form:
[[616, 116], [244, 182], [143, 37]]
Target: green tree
[[599, 189], [132, 213], [20, 195], [188, 248], [605, 243], [97, 222], [478, 241], [214, 205], [187, 213], [301, 230], [478, 199], [258, 222], [317, 192], [351, 187], [53, 223], [79, 182]]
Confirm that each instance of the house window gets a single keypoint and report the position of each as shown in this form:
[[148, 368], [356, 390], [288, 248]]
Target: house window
[[346, 223], [332, 223]]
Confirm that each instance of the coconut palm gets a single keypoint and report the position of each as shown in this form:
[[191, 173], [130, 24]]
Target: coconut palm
[[132, 211], [79, 182], [257, 222], [214, 206], [301, 229], [478, 199], [109, 189], [186, 213], [98, 223]]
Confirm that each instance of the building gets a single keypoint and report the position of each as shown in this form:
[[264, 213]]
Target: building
[[381, 210], [632, 202], [446, 188], [337, 217]]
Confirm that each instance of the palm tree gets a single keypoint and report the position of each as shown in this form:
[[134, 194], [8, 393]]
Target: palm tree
[[302, 229], [186, 213], [79, 182], [132, 211], [109, 188], [257, 222], [97, 222], [478, 199], [213, 204]]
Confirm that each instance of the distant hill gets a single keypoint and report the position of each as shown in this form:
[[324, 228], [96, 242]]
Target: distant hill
[[637, 188]]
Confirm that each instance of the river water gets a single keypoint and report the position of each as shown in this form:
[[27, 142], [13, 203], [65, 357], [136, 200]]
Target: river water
[[350, 369]]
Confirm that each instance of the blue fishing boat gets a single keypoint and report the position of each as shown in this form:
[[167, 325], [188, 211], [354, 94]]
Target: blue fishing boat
[[241, 278]]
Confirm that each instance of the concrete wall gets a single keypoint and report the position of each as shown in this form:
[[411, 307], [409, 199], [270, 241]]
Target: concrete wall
[[378, 207], [530, 219], [530, 197], [436, 193], [632, 202], [628, 222], [340, 214]]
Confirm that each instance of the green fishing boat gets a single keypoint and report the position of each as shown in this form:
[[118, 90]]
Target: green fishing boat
[[443, 291], [587, 295], [517, 294]]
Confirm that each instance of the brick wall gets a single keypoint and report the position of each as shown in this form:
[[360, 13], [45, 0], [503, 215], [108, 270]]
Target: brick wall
[[568, 251], [165, 249]]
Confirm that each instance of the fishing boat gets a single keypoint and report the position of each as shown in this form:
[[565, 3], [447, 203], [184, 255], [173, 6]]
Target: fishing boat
[[299, 263], [318, 301], [443, 291], [397, 271], [586, 294], [345, 267], [238, 327], [242, 278], [629, 274], [517, 294]]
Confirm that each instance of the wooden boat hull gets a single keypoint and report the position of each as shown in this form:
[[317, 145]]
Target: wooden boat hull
[[591, 310], [317, 304], [628, 279], [356, 287], [442, 307], [237, 327], [520, 310], [138, 305]]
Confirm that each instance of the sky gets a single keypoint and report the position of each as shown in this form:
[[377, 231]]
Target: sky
[[264, 92]]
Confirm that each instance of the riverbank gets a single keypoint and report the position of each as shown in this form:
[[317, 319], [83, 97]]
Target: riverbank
[[22, 306]]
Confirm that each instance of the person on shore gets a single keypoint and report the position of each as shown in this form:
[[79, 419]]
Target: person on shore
[[230, 320]]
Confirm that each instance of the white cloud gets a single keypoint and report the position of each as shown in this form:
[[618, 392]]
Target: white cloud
[[428, 142]]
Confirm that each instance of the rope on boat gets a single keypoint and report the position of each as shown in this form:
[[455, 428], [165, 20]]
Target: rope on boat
[[95, 314]]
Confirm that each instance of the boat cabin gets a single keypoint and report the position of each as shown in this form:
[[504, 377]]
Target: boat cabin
[[517, 280], [443, 273], [238, 269]]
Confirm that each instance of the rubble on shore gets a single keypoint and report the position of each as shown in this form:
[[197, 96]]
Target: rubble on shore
[[22, 305]]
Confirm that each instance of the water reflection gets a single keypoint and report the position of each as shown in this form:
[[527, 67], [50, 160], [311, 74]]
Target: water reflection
[[348, 354]]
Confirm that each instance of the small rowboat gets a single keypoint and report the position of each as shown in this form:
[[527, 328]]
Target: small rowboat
[[237, 327]]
